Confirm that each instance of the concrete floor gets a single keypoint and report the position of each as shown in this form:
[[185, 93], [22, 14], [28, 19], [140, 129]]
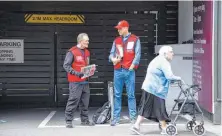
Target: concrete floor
[[46, 122]]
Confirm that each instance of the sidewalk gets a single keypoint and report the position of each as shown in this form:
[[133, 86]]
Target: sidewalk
[[50, 122]]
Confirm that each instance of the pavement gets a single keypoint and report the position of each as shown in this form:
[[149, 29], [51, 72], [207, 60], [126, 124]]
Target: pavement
[[50, 122]]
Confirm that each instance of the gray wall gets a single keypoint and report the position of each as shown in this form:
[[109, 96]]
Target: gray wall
[[220, 49], [220, 44], [217, 117], [217, 64], [185, 30]]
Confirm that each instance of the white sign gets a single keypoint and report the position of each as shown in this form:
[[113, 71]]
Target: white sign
[[11, 51]]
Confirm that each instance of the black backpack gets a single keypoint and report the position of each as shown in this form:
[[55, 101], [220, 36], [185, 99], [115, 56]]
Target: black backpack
[[103, 114]]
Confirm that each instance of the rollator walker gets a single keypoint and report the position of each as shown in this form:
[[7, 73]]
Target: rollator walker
[[183, 102]]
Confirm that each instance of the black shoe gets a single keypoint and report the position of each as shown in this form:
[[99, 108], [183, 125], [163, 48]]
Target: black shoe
[[87, 123], [69, 125]]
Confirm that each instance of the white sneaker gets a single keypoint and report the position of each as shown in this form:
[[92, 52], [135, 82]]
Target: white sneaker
[[135, 130], [163, 132]]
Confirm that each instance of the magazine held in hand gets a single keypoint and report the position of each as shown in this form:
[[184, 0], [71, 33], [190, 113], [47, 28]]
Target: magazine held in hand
[[88, 70]]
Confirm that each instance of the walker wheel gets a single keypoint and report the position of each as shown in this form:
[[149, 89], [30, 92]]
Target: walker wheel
[[171, 130], [190, 124], [198, 130]]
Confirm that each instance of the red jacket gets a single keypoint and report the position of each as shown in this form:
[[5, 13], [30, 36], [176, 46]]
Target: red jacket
[[128, 51], [80, 60]]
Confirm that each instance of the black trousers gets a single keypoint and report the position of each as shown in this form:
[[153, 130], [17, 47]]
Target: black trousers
[[79, 95]]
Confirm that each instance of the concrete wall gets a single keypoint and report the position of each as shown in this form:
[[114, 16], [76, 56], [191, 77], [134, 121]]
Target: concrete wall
[[220, 61], [220, 49], [217, 64]]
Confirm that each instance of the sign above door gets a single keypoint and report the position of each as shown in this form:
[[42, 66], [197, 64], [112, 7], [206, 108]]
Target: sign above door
[[54, 18]]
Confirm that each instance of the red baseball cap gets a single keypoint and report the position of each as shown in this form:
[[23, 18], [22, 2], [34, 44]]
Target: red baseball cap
[[122, 24]]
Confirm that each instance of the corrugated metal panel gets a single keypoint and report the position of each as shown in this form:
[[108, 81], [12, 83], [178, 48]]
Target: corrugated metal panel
[[34, 77], [46, 44]]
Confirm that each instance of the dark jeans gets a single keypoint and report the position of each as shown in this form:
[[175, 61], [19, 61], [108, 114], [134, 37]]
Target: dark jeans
[[79, 94]]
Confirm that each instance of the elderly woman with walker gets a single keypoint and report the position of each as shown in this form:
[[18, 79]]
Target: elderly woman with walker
[[155, 88]]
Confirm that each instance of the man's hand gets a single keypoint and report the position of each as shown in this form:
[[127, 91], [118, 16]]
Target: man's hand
[[116, 60], [132, 67], [80, 75]]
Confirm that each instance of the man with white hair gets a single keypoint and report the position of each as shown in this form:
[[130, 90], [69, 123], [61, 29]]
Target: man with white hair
[[155, 88], [79, 93]]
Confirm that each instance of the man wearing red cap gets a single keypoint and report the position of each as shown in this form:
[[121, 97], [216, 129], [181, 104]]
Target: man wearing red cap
[[125, 61]]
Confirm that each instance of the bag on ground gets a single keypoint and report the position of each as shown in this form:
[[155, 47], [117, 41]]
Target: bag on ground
[[103, 114]]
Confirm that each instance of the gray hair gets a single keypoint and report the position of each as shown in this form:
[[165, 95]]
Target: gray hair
[[165, 49], [80, 37]]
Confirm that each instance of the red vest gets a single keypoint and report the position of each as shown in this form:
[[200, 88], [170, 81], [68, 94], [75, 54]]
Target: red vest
[[80, 60], [128, 51]]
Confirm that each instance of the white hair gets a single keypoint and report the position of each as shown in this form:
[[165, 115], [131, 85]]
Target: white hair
[[80, 37], [165, 49]]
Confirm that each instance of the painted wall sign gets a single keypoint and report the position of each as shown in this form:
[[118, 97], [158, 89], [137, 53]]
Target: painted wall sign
[[202, 63], [11, 51], [54, 18]]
